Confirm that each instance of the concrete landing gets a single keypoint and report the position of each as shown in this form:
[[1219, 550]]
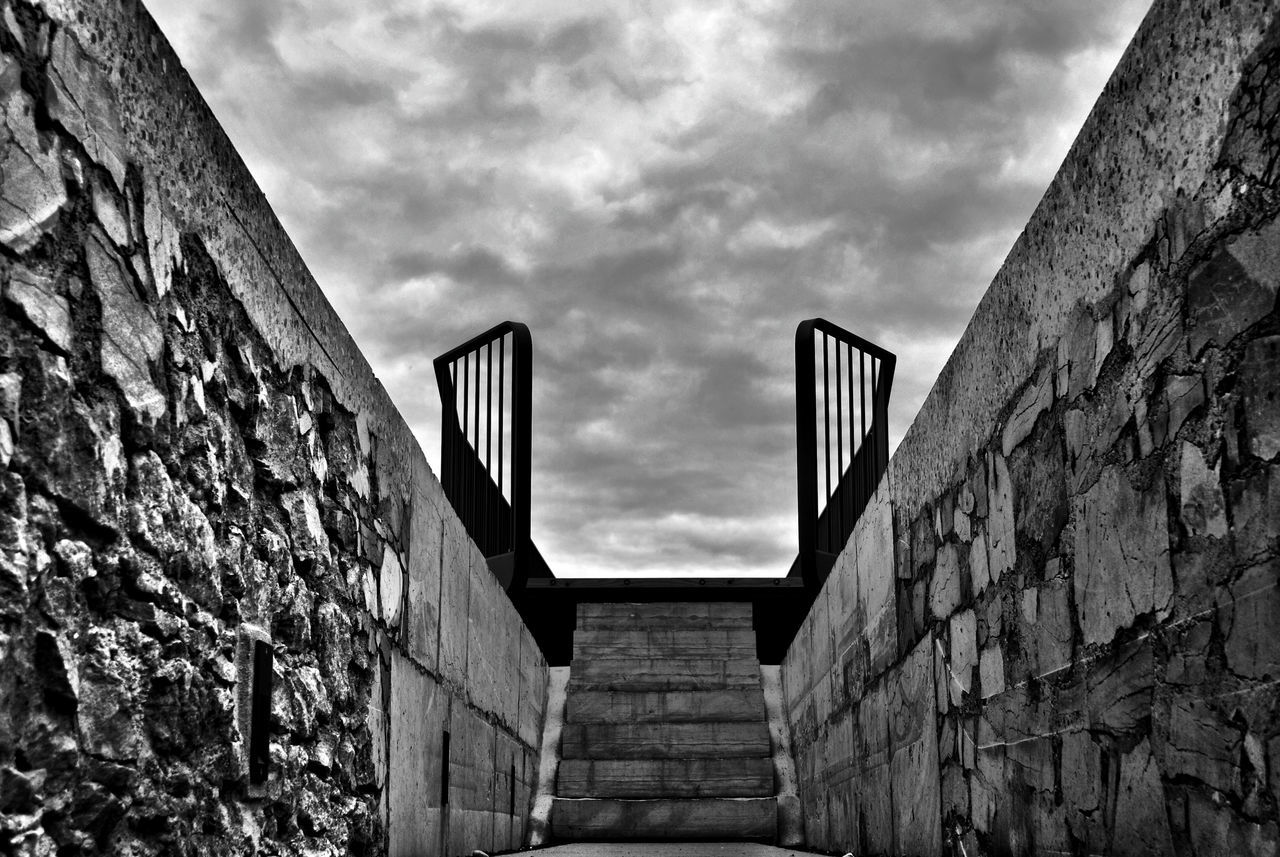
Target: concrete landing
[[668, 849]]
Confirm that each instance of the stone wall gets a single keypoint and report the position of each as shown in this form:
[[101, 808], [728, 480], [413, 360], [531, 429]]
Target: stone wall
[[1054, 629], [194, 458]]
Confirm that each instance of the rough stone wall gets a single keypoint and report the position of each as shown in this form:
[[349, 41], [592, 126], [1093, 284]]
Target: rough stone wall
[[195, 457], [1054, 629]]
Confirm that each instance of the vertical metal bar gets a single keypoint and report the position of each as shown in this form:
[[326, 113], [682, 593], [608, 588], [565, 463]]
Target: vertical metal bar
[[839, 517], [806, 455], [488, 445], [477, 472], [521, 451], [862, 396], [503, 543], [854, 449], [464, 457], [826, 426]]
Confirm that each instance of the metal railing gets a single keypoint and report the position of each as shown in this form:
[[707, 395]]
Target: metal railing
[[853, 444], [485, 450]]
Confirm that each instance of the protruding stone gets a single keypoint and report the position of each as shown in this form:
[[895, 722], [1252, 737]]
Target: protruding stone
[[1122, 555], [1252, 644], [1204, 511], [964, 654], [1141, 820], [107, 210], [131, 336], [1235, 288], [163, 247], [33, 192], [81, 99], [944, 586], [1258, 373], [1183, 394], [991, 670], [1035, 400], [1202, 745], [1001, 550], [391, 580], [43, 306]]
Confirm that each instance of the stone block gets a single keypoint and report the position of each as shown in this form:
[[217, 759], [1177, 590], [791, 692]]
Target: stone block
[[991, 670], [1035, 400], [1083, 789], [665, 778], [964, 654], [131, 336], [419, 713], [1215, 827], [1252, 643], [1001, 550], [1047, 627], [485, 635], [1234, 288], [41, 303], [979, 569], [422, 607], [1202, 744], [472, 755], [913, 742], [1183, 394], [455, 591], [873, 555], [945, 587], [664, 740], [1204, 511], [1255, 513], [33, 192], [81, 98], [533, 690], [1122, 555], [1118, 689], [1258, 372]]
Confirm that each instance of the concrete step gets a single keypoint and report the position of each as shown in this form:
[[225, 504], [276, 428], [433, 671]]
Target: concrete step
[[641, 674], [664, 740], [697, 818], [600, 643], [678, 614], [665, 778], [670, 706]]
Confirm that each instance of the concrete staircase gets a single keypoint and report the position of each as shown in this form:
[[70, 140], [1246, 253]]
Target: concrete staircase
[[665, 733]]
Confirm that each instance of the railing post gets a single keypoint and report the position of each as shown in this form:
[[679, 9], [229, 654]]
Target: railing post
[[806, 455], [521, 451]]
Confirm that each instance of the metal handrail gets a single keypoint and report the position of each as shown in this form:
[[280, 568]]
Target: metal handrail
[[494, 507], [823, 532]]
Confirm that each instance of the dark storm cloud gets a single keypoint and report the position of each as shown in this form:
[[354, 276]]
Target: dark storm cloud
[[661, 194]]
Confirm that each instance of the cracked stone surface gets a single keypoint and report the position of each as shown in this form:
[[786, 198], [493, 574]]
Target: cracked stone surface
[[1122, 556], [32, 192]]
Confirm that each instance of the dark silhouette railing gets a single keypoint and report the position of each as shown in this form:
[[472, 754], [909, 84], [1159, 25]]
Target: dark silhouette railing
[[853, 409], [486, 388], [486, 394]]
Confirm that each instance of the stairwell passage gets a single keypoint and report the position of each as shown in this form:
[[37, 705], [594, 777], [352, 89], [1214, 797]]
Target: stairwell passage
[[665, 733]]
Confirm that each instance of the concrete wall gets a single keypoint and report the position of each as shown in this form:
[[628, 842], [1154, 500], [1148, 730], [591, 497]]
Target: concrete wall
[[194, 455], [1054, 629]]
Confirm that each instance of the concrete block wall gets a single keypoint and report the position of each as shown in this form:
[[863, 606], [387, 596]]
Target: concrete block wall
[[1053, 630], [194, 456]]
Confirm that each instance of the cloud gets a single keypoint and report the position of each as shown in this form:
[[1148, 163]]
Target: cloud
[[661, 191]]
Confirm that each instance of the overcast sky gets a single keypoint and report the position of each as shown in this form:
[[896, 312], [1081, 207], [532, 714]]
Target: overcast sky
[[661, 191]]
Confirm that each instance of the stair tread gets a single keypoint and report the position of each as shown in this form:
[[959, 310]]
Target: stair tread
[[660, 778], [665, 706], [664, 740], [682, 818]]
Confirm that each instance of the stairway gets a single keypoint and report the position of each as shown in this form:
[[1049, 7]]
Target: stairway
[[665, 733]]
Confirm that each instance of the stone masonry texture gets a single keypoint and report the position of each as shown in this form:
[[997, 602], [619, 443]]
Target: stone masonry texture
[[195, 459], [1054, 630]]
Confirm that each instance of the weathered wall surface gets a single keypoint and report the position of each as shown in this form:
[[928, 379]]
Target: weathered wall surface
[[194, 456], [1054, 629]]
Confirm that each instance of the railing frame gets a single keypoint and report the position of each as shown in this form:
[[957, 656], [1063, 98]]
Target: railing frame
[[822, 533], [500, 528]]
